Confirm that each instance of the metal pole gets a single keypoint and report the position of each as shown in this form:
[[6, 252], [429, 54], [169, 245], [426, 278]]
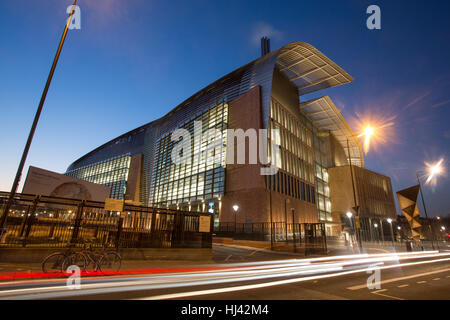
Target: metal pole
[[382, 230], [354, 195], [271, 222], [35, 122], [424, 208], [293, 228], [392, 235], [285, 220]]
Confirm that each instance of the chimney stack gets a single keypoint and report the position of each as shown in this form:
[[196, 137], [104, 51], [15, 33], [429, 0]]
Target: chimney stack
[[265, 46]]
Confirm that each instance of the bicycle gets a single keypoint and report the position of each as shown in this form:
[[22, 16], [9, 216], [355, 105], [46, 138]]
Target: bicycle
[[59, 261], [105, 260]]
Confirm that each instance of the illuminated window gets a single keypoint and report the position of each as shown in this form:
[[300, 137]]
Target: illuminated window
[[111, 172]]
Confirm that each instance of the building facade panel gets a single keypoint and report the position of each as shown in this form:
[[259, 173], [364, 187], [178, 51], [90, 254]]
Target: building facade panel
[[264, 94]]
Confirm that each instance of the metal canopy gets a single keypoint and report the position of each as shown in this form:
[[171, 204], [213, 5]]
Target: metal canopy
[[326, 117], [309, 69]]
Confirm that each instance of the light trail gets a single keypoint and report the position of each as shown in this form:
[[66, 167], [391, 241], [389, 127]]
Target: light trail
[[276, 283]]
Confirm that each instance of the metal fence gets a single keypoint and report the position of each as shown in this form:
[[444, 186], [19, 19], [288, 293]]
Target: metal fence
[[38, 221], [308, 236]]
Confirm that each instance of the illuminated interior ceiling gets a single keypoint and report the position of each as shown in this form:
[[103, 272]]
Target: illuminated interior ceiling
[[327, 118], [309, 69]]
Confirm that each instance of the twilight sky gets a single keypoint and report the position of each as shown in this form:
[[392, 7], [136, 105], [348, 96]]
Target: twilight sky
[[134, 60]]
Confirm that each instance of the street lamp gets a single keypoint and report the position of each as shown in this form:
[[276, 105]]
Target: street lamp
[[376, 227], [15, 185], [367, 133], [235, 208], [356, 207], [433, 171], [389, 220], [349, 216]]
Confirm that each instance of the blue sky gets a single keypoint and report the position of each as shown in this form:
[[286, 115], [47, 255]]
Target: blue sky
[[134, 60]]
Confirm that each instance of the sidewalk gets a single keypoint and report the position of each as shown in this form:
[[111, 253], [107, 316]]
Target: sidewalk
[[128, 264]]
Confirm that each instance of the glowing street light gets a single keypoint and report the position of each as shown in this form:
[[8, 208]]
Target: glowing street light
[[375, 225], [349, 214], [367, 134], [433, 170]]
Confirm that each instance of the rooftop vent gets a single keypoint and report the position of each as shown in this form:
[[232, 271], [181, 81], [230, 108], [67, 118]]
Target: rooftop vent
[[265, 46]]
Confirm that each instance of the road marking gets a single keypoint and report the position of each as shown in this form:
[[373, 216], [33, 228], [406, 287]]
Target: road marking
[[403, 285], [276, 283], [385, 295], [399, 279], [436, 279], [228, 257], [420, 282]]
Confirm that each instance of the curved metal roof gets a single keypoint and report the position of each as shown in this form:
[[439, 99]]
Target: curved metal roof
[[305, 66], [309, 69], [326, 117]]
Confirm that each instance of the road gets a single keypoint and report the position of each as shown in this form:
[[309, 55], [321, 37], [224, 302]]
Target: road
[[402, 276]]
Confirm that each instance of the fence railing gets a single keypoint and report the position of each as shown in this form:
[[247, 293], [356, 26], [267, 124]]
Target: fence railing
[[38, 221], [308, 236]]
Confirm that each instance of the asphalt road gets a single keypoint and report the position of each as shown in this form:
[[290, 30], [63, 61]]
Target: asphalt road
[[420, 275]]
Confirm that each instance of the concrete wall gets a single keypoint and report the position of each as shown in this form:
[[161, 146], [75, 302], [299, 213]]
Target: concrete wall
[[134, 178], [373, 192]]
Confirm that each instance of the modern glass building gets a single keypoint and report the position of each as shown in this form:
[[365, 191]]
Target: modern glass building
[[264, 94]]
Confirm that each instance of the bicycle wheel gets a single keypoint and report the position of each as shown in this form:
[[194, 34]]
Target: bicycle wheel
[[75, 259], [110, 262], [53, 262]]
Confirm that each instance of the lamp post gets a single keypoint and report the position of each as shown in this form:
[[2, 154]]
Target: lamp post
[[235, 208], [270, 185], [349, 216], [35, 122], [293, 228], [424, 208], [356, 206], [286, 201], [376, 228], [389, 220]]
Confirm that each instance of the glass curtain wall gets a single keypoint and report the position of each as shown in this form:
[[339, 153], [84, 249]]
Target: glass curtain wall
[[186, 186], [112, 172], [322, 161]]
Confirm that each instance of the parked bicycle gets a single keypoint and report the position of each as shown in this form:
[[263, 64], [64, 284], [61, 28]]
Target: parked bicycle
[[60, 261], [104, 260]]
